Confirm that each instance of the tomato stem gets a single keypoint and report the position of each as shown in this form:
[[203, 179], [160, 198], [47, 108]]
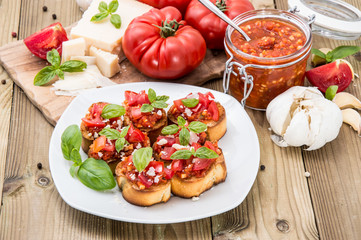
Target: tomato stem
[[221, 5], [168, 29]]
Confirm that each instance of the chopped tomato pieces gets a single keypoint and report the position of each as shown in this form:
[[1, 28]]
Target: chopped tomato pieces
[[201, 163], [134, 135], [177, 165], [213, 110], [147, 182], [99, 144], [167, 152]]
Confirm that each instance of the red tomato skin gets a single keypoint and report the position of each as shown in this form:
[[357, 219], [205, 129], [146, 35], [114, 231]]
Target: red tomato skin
[[163, 58], [210, 26], [46, 39], [181, 5]]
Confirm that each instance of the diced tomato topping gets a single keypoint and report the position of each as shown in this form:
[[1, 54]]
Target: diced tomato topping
[[134, 135], [136, 113], [201, 163], [179, 105], [168, 173], [96, 119], [177, 165], [170, 140], [213, 110], [147, 182], [93, 122], [99, 144], [143, 98], [135, 99], [167, 152], [109, 147], [158, 166], [210, 145], [203, 99], [196, 146]]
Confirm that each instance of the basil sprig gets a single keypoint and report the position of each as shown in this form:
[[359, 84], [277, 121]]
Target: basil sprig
[[155, 101], [106, 10], [337, 53], [190, 102], [202, 152], [331, 92], [95, 174], [48, 73], [142, 157], [184, 134], [112, 111], [113, 134]]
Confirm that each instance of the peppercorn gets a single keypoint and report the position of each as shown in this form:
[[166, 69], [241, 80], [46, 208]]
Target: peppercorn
[[3, 82], [40, 166], [14, 35], [263, 167], [54, 16], [45, 8]]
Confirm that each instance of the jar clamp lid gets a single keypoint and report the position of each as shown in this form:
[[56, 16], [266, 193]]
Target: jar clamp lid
[[333, 18]]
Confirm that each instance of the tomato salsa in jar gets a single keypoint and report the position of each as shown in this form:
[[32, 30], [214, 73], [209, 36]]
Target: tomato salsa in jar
[[274, 59]]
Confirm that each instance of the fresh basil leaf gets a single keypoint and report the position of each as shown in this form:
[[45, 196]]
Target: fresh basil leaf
[[190, 102], [103, 7], [181, 154], [162, 98], [44, 76], [184, 137], [115, 20], [344, 51], [146, 108], [197, 127], [72, 169], [99, 16], [329, 57], [119, 144], [110, 133], [75, 156], [73, 66], [318, 53], [113, 6], [59, 73], [53, 58], [142, 157], [204, 152], [331, 92], [152, 96], [159, 104], [124, 131], [96, 174], [112, 111], [70, 139], [170, 130], [181, 121]]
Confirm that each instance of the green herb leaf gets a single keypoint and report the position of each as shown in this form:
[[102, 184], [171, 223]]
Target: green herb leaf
[[181, 121], [70, 139], [96, 174], [184, 137], [329, 57], [190, 102], [162, 98], [159, 104], [119, 144], [72, 169], [146, 108], [181, 154], [113, 6], [75, 156], [110, 133], [204, 152], [152, 96], [99, 16], [197, 127], [59, 73], [44, 76], [53, 58], [115, 20], [103, 7], [142, 157], [343, 51], [112, 111], [318, 53], [170, 130], [331, 92], [73, 66], [124, 131]]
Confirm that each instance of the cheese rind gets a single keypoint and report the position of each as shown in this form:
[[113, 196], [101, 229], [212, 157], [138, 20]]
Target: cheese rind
[[106, 62], [74, 47], [89, 60], [103, 34]]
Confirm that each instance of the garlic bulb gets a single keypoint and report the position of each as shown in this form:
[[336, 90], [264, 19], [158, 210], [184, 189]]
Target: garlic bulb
[[83, 4], [302, 116]]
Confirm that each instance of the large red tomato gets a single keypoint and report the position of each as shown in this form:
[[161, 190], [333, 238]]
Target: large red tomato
[[161, 45], [212, 27], [181, 5]]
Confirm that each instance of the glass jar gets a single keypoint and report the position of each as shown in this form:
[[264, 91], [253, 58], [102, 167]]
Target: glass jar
[[256, 80]]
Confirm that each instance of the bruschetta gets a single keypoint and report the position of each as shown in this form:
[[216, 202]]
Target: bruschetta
[[201, 107]]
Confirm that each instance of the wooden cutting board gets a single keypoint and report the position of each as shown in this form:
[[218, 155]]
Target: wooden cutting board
[[22, 66]]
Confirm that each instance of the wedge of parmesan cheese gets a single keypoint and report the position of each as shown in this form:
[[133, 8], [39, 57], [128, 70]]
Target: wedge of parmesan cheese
[[76, 82], [74, 47], [89, 60], [103, 34], [106, 62]]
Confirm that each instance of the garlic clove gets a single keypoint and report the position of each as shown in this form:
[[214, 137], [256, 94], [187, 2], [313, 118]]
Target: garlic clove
[[353, 118], [298, 132], [346, 100], [278, 140]]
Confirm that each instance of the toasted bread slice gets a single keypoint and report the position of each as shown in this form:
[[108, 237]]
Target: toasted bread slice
[[143, 197], [215, 129], [193, 187]]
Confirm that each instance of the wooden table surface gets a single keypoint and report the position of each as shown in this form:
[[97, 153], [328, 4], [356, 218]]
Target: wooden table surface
[[282, 204]]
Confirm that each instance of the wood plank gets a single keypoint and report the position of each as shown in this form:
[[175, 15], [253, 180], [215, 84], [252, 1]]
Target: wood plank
[[9, 13]]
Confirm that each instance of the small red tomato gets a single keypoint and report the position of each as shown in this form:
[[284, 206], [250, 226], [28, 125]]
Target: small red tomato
[[46, 39]]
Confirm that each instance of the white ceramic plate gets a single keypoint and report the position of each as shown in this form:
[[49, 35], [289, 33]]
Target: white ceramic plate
[[240, 147]]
